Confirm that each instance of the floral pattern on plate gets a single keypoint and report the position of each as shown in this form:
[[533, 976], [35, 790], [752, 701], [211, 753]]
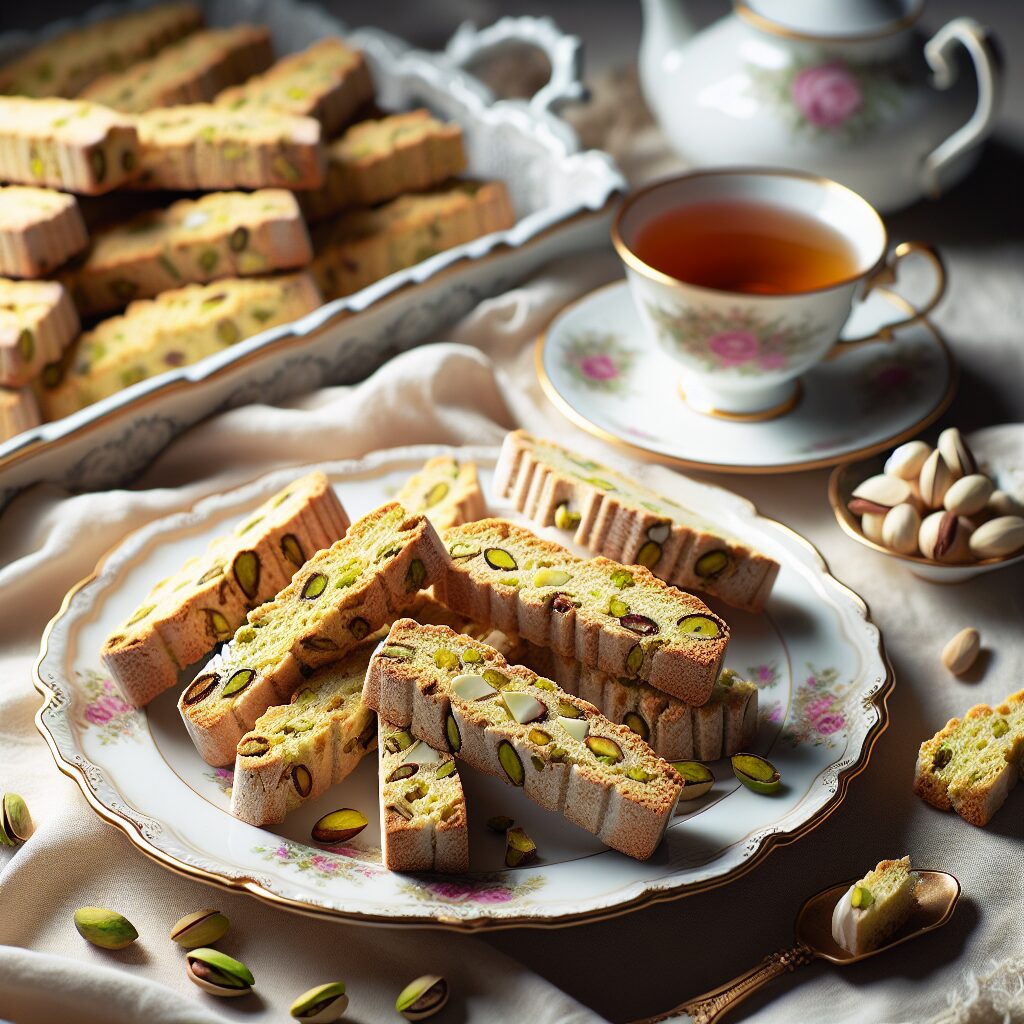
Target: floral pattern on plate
[[599, 361], [481, 890], [105, 710]]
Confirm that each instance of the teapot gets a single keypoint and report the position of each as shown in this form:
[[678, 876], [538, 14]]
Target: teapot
[[847, 89]]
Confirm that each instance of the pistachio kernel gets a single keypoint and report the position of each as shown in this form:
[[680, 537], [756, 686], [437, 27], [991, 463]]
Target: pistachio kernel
[[634, 660], [445, 659], [451, 730], [550, 577], [322, 1004], [246, 570], [423, 997], [499, 558], [339, 826], [622, 578], [861, 898], [302, 780], [602, 746], [642, 624], [495, 678], [638, 774], [314, 586], [26, 345], [403, 771], [1000, 727], [448, 768], [460, 549], [237, 682], [359, 628], [756, 773], [416, 576], [519, 848], [638, 724], [697, 779], [711, 563], [702, 626], [942, 757], [436, 493], [292, 550], [203, 928], [649, 554], [509, 760], [400, 652], [218, 973], [210, 574], [472, 656], [564, 519], [238, 239], [500, 824], [539, 736], [105, 928], [253, 746], [199, 690], [216, 625]]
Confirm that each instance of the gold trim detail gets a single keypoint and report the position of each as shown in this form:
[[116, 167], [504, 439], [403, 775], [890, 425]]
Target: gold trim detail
[[759, 21], [785, 406]]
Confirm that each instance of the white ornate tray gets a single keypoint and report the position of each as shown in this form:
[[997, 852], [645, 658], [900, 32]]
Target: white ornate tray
[[815, 654]]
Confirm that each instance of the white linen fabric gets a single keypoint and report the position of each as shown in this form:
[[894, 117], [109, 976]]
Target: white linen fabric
[[471, 388]]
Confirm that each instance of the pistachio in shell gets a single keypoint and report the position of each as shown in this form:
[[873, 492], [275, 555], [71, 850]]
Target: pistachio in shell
[[519, 848], [756, 773], [15, 821], [105, 928], [697, 779], [423, 997], [339, 826], [322, 1004], [202, 928], [218, 973]]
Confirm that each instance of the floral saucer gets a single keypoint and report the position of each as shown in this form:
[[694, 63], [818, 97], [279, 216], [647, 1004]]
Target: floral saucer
[[596, 366]]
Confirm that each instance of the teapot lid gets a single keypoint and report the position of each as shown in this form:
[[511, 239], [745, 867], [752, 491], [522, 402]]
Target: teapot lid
[[830, 18]]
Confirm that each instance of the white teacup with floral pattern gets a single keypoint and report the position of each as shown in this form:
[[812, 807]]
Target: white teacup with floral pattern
[[742, 353]]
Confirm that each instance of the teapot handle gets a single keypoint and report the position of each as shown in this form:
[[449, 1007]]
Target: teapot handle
[[938, 52]]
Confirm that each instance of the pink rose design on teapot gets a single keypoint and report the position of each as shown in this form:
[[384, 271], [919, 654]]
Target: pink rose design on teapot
[[827, 95]]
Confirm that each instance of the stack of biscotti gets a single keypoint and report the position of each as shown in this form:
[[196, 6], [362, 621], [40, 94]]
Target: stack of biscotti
[[460, 695], [366, 245], [621, 519], [329, 81], [223, 234], [446, 491], [39, 230], [187, 614], [338, 598], [176, 328], [380, 159]]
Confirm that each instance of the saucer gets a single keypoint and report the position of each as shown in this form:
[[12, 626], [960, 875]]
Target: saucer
[[596, 366]]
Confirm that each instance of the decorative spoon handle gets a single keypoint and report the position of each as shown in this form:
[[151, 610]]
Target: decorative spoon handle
[[714, 1005]]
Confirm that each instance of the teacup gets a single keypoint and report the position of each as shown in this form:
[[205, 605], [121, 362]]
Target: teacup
[[741, 351]]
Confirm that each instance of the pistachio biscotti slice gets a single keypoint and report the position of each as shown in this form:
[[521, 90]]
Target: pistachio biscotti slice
[[379, 160], [617, 619], [66, 144], [338, 598], [39, 229], [186, 615], [446, 491], [458, 694], [328, 81], [37, 323], [192, 70], [175, 329], [872, 909], [208, 148], [423, 824], [224, 234], [971, 764], [297, 751], [364, 246], [621, 519], [19, 411]]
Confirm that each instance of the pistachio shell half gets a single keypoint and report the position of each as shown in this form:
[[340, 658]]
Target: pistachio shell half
[[203, 928], [15, 821], [218, 973], [105, 928], [423, 997], [322, 1004]]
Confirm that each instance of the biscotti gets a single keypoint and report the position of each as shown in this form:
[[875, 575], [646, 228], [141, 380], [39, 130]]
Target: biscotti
[[186, 615], [446, 491], [621, 519], [39, 230], [207, 148], [18, 411], [617, 619], [224, 234], [971, 765], [460, 695], [423, 823], [67, 144], [66, 64], [875, 907], [340, 597], [299, 750], [37, 323], [329, 81], [364, 246], [192, 70], [378, 160], [175, 329]]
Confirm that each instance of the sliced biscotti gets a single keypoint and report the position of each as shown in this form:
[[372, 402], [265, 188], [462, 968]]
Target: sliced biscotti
[[617, 619], [339, 598], [971, 764], [39, 229], [192, 70], [329, 81], [37, 323], [223, 234], [186, 615], [18, 411], [297, 751], [67, 144], [175, 329], [621, 519], [446, 491], [458, 694], [66, 64], [206, 147], [378, 160], [875, 907], [364, 246], [423, 824]]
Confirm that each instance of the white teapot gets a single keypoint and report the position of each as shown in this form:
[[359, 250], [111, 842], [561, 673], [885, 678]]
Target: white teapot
[[846, 89]]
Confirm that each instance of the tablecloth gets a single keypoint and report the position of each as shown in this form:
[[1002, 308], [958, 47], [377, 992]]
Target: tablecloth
[[472, 386]]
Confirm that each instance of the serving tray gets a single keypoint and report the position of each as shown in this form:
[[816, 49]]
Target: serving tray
[[563, 198], [815, 655]]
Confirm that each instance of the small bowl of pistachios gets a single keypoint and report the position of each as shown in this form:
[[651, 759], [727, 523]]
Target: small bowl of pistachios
[[948, 511]]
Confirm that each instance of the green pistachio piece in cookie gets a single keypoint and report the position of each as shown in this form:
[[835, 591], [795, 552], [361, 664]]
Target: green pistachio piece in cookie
[[237, 682], [509, 760], [703, 626], [861, 898], [246, 570], [314, 586], [292, 550], [564, 519], [712, 563], [638, 724], [499, 558], [302, 780], [436, 493]]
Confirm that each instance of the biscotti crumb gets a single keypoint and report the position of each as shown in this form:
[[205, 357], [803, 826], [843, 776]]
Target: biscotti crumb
[[37, 323]]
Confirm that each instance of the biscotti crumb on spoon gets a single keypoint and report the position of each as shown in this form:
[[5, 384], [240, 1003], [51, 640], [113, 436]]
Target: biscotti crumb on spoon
[[446, 491], [971, 764], [37, 323], [338, 598], [297, 751], [619, 518], [617, 619], [460, 695], [186, 615], [18, 411], [39, 230], [423, 824], [872, 909]]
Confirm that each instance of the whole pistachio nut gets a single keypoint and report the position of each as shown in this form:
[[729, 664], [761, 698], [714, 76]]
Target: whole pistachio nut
[[900, 528], [968, 495], [871, 524], [203, 928], [907, 460], [883, 491], [956, 452], [945, 537], [339, 826], [1002, 503], [756, 773], [697, 779], [218, 973], [935, 480], [322, 1004], [998, 538], [15, 821], [423, 997], [105, 928]]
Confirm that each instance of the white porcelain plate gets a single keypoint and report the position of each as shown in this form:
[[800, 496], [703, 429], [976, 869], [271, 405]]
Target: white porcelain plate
[[815, 655], [597, 368]]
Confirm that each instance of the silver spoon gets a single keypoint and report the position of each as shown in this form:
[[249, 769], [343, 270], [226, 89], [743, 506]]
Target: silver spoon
[[937, 894]]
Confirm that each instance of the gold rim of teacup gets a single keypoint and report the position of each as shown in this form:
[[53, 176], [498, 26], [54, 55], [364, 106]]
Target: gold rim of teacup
[[890, 28]]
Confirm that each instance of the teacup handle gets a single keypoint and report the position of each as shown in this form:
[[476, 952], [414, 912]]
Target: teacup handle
[[884, 275]]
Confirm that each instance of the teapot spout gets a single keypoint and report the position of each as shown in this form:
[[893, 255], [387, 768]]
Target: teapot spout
[[666, 29]]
